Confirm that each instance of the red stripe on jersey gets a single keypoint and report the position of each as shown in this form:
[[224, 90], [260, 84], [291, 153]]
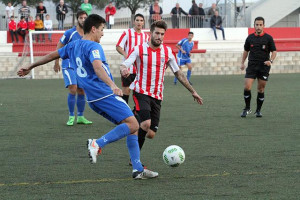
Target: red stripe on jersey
[[121, 38], [135, 38], [129, 40], [164, 69], [149, 70], [157, 72], [141, 69]]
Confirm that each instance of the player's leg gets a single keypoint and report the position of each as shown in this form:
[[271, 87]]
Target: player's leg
[[261, 84], [247, 96], [250, 76], [116, 110], [155, 115], [189, 71], [81, 107], [71, 84]]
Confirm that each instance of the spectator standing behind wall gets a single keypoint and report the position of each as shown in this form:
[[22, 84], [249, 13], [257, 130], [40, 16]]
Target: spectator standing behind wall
[[86, 6], [61, 11], [41, 10], [10, 10], [24, 11], [39, 26], [176, 15], [202, 15], [212, 10], [194, 12], [48, 26], [110, 11], [216, 23], [155, 12]]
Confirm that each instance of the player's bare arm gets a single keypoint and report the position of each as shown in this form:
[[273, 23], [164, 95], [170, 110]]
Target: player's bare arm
[[179, 47], [56, 63], [245, 55], [45, 59], [183, 80], [101, 73], [121, 51], [273, 56]]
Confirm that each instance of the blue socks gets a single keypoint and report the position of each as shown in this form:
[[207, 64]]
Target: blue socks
[[115, 134], [189, 73], [175, 79], [71, 103], [134, 152], [80, 104]]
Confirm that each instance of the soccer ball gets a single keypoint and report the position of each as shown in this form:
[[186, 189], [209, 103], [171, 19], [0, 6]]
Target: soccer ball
[[173, 156]]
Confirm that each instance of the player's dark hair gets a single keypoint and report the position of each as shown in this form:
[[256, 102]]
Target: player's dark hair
[[259, 19], [92, 20], [22, 17], [80, 12], [191, 33], [158, 24], [139, 15]]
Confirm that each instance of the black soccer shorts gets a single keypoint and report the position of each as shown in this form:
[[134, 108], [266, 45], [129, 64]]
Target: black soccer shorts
[[147, 108], [257, 70]]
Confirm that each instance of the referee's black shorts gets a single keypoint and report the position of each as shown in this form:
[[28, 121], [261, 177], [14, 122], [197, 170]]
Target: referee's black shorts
[[128, 80], [257, 69], [147, 108]]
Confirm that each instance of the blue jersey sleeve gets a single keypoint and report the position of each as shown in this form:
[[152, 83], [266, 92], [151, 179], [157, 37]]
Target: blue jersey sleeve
[[63, 52], [96, 53], [66, 37], [181, 41]]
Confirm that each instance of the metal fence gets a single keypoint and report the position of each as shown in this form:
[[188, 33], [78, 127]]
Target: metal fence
[[127, 22]]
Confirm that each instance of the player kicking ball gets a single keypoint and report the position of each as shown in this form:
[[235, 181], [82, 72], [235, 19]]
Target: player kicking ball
[[185, 47], [103, 96]]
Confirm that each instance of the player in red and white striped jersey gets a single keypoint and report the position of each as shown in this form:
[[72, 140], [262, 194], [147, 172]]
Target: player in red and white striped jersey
[[129, 39], [152, 59]]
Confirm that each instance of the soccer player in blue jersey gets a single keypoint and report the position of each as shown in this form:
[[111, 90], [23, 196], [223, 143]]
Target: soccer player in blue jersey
[[68, 72], [103, 96], [185, 47]]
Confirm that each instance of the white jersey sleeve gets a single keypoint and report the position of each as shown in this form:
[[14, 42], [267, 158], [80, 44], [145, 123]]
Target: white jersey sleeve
[[172, 63]]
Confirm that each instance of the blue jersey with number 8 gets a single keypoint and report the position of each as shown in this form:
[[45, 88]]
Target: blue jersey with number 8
[[82, 53]]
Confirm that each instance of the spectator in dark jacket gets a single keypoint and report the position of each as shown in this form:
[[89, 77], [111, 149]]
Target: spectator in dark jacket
[[155, 12], [216, 23], [61, 11], [194, 11], [176, 15], [202, 15], [41, 10]]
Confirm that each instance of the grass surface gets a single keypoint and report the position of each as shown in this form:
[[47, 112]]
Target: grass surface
[[227, 157]]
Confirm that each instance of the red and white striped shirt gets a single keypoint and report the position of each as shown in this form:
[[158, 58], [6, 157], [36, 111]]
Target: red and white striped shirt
[[151, 65], [129, 39]]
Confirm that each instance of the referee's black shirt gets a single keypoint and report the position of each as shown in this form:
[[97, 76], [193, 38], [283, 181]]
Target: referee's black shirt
[[259, 46]]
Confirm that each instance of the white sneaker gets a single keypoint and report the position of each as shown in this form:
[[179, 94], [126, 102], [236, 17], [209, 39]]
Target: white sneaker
[[93, 149], [146, 174]]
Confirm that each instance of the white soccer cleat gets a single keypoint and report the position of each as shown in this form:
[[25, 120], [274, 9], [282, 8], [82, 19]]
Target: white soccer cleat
[[94, 150], [146, 174]]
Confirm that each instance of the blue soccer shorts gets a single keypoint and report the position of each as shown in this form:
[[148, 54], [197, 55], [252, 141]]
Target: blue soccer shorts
[[113, 108], [69, 75], [182, 62]]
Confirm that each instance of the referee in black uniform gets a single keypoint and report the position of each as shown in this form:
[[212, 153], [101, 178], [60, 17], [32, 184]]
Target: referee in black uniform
[[259, 44]]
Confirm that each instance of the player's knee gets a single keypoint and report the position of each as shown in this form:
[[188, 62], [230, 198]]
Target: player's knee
[[132, 124], [145, 125], [150, 134], [73, 89], [80, 91]]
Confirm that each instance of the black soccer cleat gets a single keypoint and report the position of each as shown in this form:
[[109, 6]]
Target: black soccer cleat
[[246, 112], [258, 113]]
